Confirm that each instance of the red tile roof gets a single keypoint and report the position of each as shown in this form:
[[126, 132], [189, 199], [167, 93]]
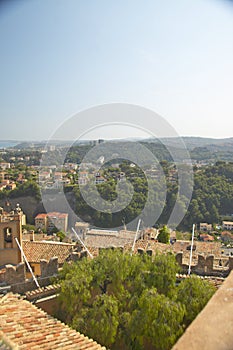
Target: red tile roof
[[31, 328], [41, 216], [51, 214], [36, 251]]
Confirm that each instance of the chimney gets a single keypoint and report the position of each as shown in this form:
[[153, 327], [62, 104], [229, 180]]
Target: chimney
[[32, 235]]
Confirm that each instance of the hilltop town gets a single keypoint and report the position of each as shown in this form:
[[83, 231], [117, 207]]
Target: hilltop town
[[36, 245]]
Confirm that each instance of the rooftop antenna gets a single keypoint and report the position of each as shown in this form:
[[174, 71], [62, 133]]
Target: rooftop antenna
[[123, 222], [135, 237], [83, 244], [191, 251], [28, 265]]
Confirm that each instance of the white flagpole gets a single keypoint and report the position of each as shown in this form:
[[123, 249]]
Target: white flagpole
[[191, 251], [135, 237], [28, 265], [91, 256]]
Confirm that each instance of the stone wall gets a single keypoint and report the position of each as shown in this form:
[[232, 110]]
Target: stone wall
[[15, 276], [49, 268], [206, 266]]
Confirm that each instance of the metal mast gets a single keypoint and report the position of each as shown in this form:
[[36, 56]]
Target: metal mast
[[191, 251], [83, 244]]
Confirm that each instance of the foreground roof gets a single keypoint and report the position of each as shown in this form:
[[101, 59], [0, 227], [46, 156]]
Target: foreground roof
[[37, 250], [30, 328]]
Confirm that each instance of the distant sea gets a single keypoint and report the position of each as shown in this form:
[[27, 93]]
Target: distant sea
[[7, 144]]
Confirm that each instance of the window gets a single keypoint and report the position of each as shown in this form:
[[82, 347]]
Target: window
[[7, 235]]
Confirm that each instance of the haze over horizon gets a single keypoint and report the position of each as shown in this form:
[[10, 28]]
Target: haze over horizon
[[61, 57]]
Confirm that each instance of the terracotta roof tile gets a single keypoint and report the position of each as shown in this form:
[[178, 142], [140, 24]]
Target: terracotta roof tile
[[36, 251], [31, 328], [41, 216]]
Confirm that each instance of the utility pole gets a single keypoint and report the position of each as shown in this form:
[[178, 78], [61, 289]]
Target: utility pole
[[191, 251], [28, 265], [135, 237], [83, 244]]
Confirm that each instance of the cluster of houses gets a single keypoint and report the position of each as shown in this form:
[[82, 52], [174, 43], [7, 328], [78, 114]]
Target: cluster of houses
[[55, 177], [6, 181], [225, 234]]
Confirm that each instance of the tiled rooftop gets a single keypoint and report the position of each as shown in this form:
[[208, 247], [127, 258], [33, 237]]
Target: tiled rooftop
[[41, 216], [36, 251], [32, 329], [106, 241]]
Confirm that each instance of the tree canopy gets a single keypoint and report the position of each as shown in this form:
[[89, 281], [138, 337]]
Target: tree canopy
[[164, 235], [211, 198], [129, 302]]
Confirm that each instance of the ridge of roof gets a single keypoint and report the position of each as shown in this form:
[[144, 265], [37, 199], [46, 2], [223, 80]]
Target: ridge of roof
[[29, 327]]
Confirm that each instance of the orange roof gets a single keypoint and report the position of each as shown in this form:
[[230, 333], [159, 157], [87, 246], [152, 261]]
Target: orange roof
[[51, 214], [226, 233], [30, 328], [41, 216], [37, 250], [206, 237]]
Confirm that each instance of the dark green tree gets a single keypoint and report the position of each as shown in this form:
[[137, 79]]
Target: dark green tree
[[194, 293], [164, 235], [127, 302]]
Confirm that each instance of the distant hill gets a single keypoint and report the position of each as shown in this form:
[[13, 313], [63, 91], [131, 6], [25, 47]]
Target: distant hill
[[200, 148], [7, 143]]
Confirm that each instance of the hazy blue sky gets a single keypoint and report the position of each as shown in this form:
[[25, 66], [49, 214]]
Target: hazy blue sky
[[58, 57]]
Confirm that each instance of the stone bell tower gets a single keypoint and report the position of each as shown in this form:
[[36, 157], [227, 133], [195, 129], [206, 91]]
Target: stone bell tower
[[10, 228]]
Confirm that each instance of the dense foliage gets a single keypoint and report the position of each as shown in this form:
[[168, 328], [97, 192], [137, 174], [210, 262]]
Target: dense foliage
[[212, 196], [130, 302], [133, 194], [211, 199], [29, 188], [164, 235]]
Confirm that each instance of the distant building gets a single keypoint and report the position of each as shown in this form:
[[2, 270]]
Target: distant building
[[57, 220], [41, 222], [227, 225], [82, 228], [83, 177], [8, 185], [226, 236], [71, 166], [205, 227], [52, 148], [5, 166], [99, 179], [204, 237], [44, 175], [50, 221]]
